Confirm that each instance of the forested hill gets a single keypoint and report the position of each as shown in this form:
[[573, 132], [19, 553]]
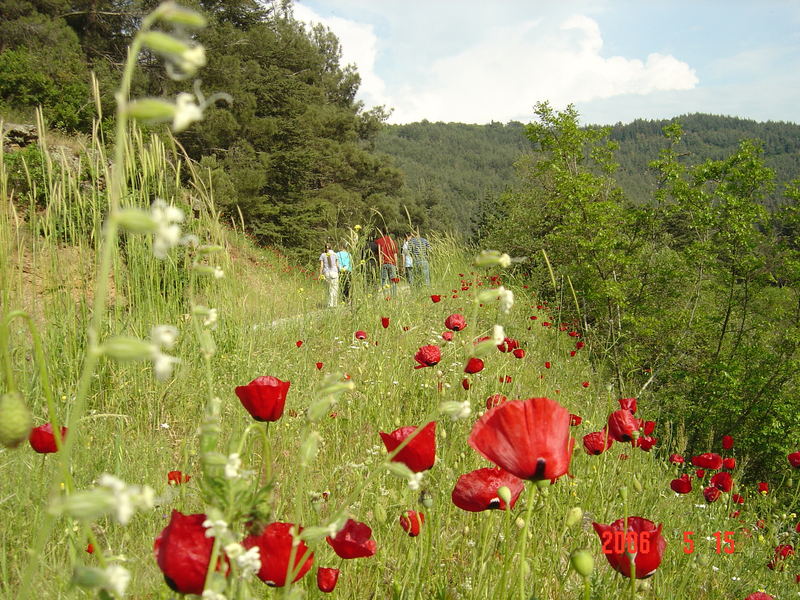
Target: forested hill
[[454, 168]]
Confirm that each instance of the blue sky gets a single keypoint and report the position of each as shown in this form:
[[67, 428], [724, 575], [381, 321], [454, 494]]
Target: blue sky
[[476, 62]]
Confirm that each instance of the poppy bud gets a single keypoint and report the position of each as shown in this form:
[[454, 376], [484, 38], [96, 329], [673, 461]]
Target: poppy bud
[[488, 258], [309, 448], [623, 493], [574, 515], [636, 485], [582, 562], [15, 420], [504, 493], [128, 348], [178, 15], [426, 499], [136, 220]]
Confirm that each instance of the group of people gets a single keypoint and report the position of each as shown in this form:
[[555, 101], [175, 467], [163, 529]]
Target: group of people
[[336, 267]]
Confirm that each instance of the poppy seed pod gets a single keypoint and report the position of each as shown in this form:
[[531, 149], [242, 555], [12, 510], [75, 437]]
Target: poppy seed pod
[[15, 420], [583, 562]]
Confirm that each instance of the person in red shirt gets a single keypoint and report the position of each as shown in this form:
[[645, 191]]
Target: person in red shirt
[[387, 257]]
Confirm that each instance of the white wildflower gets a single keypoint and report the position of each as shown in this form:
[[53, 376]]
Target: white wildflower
[[164, 336], [498, 334], [506, 299], [218, 273], [187, 111], [232, 466], [168, 232], [212, 595], [117, 579], [250, 561], [162, 365], [414, 481], [215, 528]]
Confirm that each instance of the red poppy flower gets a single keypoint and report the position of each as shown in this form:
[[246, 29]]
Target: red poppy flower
[[494, 400], [682, 485], [579, 345], [395, 280], [476, 491], [42, 439], [428, 356], [547, 364], [797, 527], [264, 397], [546, 324], [628, 404], [298, 343], [528, 438], [759, 596], [649, 427], [644, 442], [722, 481], [708, 460], [621, 425], [420, 453], [275, 548], [648, 554], [411, 522], [435, 298], [711, 493], [585, 384], [794, 459], [738, 498], [700, 473], [354, 540], [474, 365], [360, 334], [763, 487], [727, 442], [518, 353], [508, 345], [781, 552], [572, 352], [575, 420], [676, 458], [729, 463], [447, 336], [456, 322], [319, 366], [90, 548], [597, 442], [465, 383], [177, 478], [183, 552], [385, 322], [326, 579], [504, 379]]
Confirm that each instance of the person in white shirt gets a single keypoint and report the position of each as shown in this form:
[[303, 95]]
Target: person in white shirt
[[329, 271], [408, 261]]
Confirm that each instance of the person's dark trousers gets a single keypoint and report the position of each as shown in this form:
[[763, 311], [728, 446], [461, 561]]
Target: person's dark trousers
[[344, 284]]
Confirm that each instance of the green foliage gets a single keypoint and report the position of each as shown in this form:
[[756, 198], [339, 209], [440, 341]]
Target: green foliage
[[690, 298]]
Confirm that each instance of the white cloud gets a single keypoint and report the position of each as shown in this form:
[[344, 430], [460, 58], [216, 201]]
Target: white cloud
[[504, 73], [359, 46]]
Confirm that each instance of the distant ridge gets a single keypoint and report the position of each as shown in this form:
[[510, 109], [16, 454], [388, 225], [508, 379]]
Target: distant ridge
[[453, 168]]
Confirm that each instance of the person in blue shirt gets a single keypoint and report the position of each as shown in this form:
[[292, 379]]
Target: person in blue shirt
[[345, 271]]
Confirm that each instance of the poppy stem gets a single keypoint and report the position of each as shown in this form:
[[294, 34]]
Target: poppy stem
[[266, 457], [523, 564]]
